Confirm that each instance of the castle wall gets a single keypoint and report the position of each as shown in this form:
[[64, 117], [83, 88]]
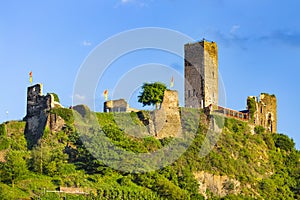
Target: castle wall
[[166, 120], [194, 75], [38, 117], [266, 112], [211, 73], [119, 105]]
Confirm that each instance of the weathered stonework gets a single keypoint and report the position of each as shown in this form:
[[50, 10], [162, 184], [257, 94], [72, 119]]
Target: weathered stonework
[[38, 116], [166, 121], [119, 105], [201, 74], [266, 112]]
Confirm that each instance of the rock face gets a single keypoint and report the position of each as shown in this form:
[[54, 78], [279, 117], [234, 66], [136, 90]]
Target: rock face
[[218, 185], [38, 116]]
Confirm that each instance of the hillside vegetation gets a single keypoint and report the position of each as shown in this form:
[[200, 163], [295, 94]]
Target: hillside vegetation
[[260, 165]]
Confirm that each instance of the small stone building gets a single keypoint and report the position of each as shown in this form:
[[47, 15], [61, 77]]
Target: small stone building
[[119, 105]]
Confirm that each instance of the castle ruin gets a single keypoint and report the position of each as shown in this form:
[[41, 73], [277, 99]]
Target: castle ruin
[[38, 115], [119, 105], [201, 87], [166, 120], [201, 91], [264, 111]]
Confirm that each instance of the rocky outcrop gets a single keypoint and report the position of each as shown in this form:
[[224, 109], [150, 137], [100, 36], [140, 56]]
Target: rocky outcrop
[[218, 185]]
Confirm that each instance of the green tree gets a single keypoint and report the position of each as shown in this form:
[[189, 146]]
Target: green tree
[[14, 168], [152, 94]]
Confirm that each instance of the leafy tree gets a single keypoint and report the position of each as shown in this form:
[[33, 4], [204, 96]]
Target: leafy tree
[[283, 142], [152, 94], [14, 168]]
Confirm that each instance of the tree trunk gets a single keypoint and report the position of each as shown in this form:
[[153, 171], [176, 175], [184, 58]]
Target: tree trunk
[[157, 106]]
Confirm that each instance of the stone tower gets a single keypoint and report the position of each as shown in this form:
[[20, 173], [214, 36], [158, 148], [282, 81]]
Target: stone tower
[[201, 74], [38, 115], [264, 112]]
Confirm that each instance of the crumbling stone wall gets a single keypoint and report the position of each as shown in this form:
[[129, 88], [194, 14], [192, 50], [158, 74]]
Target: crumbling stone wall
[[38, 116], [119, 105], [201, 74], [166, 121], [266, 112]]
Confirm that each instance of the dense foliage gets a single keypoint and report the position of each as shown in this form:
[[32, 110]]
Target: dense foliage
[[56, 98], [251, 107], [265, 165], [152, 94]]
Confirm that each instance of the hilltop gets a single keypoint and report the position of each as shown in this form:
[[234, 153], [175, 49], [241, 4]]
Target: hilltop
[[241, 165]]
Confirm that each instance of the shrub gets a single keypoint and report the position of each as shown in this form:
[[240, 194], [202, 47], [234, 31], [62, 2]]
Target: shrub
[[251, 107], [55, 97], [2, 130], [283, 142], [259, 129]]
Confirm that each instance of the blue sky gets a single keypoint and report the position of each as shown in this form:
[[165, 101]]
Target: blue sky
[[258, 41]]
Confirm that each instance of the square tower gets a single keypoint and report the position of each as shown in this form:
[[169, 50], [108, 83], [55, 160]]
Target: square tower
[[201, 74]]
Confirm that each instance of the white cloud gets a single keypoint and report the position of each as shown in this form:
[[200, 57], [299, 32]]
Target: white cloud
[[140, 3], [86, 43], [234, 29], [126, 1], [79, 97]]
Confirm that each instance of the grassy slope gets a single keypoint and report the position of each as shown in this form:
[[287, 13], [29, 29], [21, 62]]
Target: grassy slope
[[266, 165]]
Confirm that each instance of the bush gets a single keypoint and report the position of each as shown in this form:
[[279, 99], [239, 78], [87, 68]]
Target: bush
[[2, 130], [64, 113], [259, 129], [55, 97], [283, 142]]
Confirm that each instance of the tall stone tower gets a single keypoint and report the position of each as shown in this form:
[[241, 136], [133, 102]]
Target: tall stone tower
[[201, 74]]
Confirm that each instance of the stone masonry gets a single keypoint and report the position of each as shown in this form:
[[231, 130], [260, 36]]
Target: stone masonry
[[201, 74], [119, 105], [166, 120], [266, 112], [38, 116]]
